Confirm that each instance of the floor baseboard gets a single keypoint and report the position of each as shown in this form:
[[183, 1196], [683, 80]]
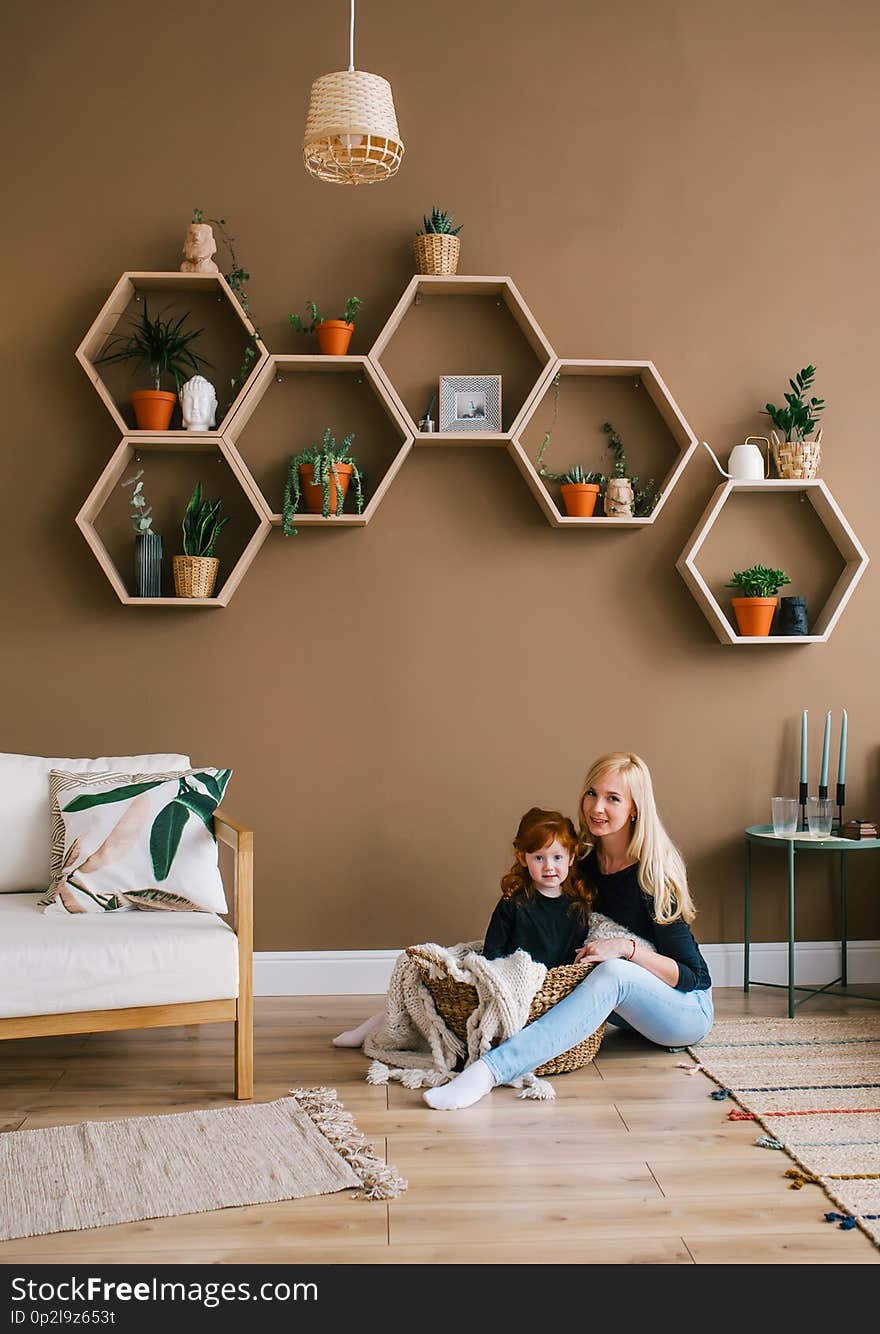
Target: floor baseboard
[[366, 972]]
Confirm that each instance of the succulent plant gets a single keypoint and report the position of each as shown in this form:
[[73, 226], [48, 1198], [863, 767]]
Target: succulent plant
[[348, 316], [324, 458], [440, 222], [758, 581], [577, 477], [202, 524]]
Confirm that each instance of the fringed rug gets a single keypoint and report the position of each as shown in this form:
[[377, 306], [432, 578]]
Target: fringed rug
[[813, 1085], [65, 1178]]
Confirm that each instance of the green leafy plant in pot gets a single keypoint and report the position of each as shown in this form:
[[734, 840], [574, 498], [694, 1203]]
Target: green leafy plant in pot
[[318, 479], [580, 488], [164, 348], [794, 455], [754, 609], [437, 247], [333, 336], [147, 543], [195, 572]]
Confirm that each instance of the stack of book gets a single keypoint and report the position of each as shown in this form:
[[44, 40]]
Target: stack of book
[[859, 829]]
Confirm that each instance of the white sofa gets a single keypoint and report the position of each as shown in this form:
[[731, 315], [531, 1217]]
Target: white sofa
[[98, 972]]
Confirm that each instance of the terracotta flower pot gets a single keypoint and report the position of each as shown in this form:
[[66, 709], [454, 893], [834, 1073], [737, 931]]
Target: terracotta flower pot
[[754, 616], [580, 498], [334, 337], [313, 494], [194, 576], [153, 409]]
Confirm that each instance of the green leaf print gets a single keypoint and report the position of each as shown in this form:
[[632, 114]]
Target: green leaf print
[[165, 837], [112, 794]]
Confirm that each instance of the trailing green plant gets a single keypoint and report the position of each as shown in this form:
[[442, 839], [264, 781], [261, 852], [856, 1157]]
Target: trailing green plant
[[439, 222], [202, 524], [758, 581], [324, 459], [141, 512], [236, 277], [161, 345], [348, 316], [801, 415], [645, 496]]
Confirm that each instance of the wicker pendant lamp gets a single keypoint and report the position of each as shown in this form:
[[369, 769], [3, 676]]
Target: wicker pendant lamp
[[351, 133]]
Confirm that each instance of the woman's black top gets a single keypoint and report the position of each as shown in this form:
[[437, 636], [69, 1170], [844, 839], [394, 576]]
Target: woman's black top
[[621, 897], [550, 930]]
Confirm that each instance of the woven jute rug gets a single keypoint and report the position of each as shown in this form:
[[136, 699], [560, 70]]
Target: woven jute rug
[[813, 1085], [65, 1178]]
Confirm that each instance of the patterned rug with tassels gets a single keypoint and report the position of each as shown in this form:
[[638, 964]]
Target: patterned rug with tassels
[[813, 1086]]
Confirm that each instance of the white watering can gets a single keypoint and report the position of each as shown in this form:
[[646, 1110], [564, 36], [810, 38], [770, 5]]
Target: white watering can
[[746, 462]]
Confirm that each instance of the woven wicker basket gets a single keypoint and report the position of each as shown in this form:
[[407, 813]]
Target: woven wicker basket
[[797, 458], [194, 576], [456, 1000], [436, 252], [351, 134]]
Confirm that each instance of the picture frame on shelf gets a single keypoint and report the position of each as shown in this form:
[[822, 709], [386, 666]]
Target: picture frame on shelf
[[470, 403]]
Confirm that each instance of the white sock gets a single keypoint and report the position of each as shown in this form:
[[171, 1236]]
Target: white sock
[[354, 1037], [463, 1091]]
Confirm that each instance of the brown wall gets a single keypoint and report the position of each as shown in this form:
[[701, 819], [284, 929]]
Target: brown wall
[[660, 181]]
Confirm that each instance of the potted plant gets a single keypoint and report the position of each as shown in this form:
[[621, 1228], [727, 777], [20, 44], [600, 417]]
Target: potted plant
[[795, 455], [625, 497], [334, 336], [580, 490], [318, 479], [759, 587], [147, 544], [437, 246], [195, 571], [165, 348]]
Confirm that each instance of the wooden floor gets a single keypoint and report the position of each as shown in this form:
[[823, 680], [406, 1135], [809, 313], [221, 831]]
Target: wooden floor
[[633, 1163]]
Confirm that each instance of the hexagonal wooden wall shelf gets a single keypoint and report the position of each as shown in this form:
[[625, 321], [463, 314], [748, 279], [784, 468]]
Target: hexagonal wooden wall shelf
[[630, 394], [458, 325], [204, 291], [175, 465], [293, 398], [840, 535]]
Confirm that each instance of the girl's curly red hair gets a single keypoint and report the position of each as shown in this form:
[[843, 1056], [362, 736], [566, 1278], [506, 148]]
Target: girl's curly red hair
[[538, 829]]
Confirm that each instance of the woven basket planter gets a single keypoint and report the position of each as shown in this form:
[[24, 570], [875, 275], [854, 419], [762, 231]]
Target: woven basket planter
[[797, 458], [195, 576], [455, 1001], [436, 252]]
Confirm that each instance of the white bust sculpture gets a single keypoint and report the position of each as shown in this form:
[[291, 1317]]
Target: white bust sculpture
[[198, 404], [198, 247]]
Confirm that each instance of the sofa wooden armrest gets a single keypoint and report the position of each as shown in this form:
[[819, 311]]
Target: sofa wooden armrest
[[239, 1010]]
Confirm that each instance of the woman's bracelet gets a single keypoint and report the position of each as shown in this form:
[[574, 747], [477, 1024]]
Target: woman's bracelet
[[632, 953]]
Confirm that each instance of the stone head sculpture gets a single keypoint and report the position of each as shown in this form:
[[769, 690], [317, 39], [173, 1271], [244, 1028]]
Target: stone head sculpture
[[619, 497], [198, 247], [198, 404]]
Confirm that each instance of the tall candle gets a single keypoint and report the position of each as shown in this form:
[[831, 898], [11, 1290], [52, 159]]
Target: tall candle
[[804, 746], [841, 763], [823, 776]]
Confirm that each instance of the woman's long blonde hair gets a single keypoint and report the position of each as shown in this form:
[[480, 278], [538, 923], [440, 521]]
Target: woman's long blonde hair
[[662, 873]]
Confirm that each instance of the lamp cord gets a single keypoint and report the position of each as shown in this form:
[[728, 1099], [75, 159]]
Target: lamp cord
[[351, 41]]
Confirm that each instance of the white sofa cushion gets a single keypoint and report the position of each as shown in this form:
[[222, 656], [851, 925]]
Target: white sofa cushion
[[147, 845], [110, 961], [24, 808]]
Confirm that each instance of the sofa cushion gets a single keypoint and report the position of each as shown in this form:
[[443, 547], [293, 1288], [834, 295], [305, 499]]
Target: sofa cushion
[[147, 845], [110, 961], [24, 808], [63, 785]]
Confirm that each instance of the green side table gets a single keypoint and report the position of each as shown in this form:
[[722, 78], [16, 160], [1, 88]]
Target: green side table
[[792, 844]]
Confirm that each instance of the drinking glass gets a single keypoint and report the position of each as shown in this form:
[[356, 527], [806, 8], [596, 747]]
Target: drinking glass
[[784, 811], [820, 813]]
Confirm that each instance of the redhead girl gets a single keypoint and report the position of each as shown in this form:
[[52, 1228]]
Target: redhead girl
[[544, 905], [639, 879]]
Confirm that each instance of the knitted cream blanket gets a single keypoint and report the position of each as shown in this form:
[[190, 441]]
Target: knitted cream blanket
[[412, 1043]]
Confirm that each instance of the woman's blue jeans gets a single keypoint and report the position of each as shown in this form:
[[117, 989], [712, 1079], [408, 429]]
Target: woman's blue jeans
[[616, 990]]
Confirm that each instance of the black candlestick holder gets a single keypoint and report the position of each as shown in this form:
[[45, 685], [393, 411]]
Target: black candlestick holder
[[841, 802], [802, 798]]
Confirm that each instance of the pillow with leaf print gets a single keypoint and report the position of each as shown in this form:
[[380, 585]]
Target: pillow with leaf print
[[147, 845]]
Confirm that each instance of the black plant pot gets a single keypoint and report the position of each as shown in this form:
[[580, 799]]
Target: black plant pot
[[148, 565], [793, 617]]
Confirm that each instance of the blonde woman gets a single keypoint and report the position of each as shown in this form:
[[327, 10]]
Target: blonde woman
[[640, 882]]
